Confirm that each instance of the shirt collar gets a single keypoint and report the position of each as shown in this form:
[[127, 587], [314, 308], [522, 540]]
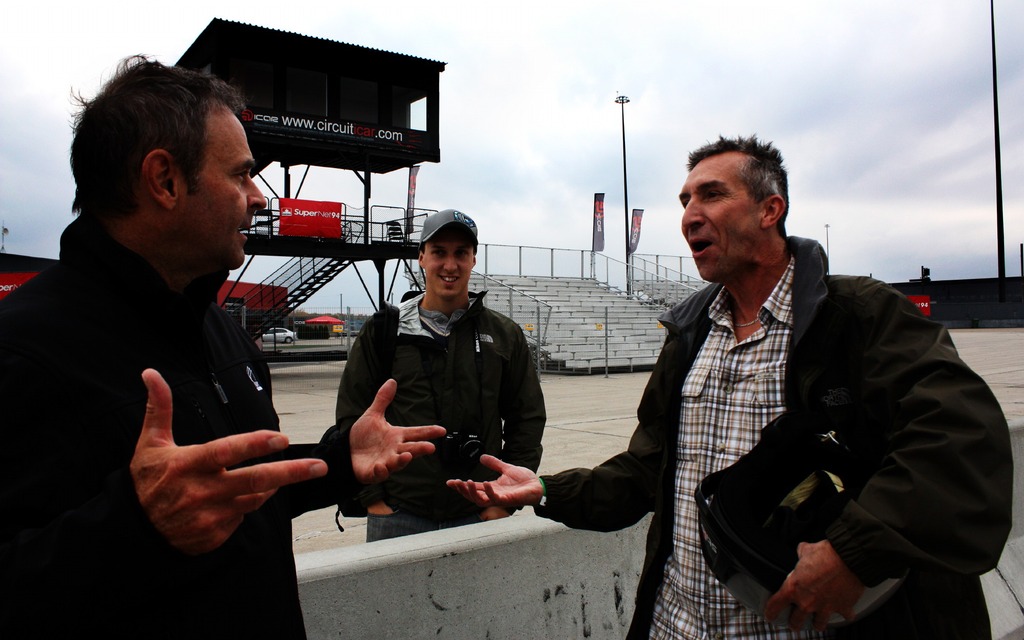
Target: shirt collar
[[778, 306], [438, 323], [780, 303]]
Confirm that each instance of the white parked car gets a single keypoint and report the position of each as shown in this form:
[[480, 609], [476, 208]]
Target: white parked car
[[278, 335]]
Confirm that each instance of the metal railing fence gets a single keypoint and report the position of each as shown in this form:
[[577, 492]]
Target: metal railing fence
[[648, 279], [586, 318], [529, 312], [384, 224]]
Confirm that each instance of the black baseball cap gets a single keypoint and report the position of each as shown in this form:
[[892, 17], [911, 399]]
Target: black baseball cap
[[449, 218]]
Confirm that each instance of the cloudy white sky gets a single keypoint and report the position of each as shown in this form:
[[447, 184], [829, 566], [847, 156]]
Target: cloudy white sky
[[882, 109]]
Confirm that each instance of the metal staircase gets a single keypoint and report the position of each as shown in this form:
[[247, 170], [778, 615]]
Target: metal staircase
[[286, 289]]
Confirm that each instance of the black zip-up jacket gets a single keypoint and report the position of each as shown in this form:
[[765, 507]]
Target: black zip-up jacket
[[78, 558], [893, 385]]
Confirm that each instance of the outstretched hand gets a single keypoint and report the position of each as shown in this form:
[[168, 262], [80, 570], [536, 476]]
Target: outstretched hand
[[191, 494], [515, 487], [379, 449]]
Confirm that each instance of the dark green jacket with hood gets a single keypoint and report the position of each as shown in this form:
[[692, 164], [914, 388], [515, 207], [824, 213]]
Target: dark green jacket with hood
[[892, 383], [498, 399]]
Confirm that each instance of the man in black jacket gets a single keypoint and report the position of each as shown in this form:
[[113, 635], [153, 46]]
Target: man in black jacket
[[777, 334], [146, 489]]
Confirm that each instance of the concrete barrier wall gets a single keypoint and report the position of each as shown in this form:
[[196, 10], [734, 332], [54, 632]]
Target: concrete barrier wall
[[1004, 586], [515, 578], [526, 577]]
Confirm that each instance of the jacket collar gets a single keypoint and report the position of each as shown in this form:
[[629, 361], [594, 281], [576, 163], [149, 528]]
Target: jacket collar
[[409, 313], [86, 247], [809, 291], [809, 287]]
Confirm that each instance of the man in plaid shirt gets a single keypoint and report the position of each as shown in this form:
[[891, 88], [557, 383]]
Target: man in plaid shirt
[[777, 333]]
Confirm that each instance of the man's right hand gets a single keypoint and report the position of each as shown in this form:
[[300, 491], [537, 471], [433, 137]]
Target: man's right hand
[[191, 494], [515, 487]]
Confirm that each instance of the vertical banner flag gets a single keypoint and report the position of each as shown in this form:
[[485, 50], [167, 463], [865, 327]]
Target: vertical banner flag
[[411, 203], [310, 218], [598, 222], [634, 230]]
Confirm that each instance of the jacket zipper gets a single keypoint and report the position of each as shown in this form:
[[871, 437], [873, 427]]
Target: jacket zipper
[[220, 390]]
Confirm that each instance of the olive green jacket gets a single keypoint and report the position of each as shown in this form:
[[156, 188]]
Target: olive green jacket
[[891, 381], [500, 401]]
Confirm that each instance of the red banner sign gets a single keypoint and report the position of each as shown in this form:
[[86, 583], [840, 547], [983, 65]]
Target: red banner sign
[[310, 218], [11, 281], [924, 303]]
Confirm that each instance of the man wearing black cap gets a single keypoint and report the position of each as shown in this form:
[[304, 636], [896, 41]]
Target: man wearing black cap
[[458, 364]]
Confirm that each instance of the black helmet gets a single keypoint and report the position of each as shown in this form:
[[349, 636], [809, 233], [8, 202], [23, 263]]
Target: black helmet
[[788, 489]]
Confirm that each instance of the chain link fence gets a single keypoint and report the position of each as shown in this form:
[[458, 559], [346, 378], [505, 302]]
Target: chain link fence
[[311, 349]]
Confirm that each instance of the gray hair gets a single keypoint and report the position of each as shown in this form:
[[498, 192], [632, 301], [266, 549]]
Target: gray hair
[[763, 173]]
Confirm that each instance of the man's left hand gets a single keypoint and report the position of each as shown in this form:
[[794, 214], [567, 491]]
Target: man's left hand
[[380, 449], [821, 584]]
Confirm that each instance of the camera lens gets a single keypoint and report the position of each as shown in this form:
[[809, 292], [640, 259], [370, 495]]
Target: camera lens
[[471, 449]]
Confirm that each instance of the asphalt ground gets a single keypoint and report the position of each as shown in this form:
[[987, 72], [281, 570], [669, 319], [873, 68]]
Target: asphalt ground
[[590, 418]]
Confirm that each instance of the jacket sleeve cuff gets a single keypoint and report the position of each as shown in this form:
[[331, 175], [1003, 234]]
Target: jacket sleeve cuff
[[548, 503], [334, 449], [847, 536]]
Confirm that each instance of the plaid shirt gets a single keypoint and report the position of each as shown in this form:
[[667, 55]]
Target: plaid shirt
[[730, 393]]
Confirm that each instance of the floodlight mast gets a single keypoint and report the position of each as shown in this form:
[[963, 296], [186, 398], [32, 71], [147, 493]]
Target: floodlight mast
[[621, 101], [1000, 240]]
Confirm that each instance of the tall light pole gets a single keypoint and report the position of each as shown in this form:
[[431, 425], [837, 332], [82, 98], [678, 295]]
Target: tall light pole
[[827, 254], [1001, 250], [621, 101]]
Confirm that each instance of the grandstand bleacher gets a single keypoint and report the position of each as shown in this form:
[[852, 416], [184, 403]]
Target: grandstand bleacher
[[581, 325]]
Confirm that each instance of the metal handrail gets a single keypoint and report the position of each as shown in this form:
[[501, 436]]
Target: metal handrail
[[574, 263], [386, 223]]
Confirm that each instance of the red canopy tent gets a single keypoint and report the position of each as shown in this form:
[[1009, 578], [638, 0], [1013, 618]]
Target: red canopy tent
[[324, 320]]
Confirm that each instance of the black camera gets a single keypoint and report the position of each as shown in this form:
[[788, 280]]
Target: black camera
[[459, 448]]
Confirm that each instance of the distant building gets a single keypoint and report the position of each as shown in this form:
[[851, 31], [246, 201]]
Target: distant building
[[16, 270], [972, 302]]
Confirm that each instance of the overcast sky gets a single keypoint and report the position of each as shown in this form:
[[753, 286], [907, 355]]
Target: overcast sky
[[882, 109]]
